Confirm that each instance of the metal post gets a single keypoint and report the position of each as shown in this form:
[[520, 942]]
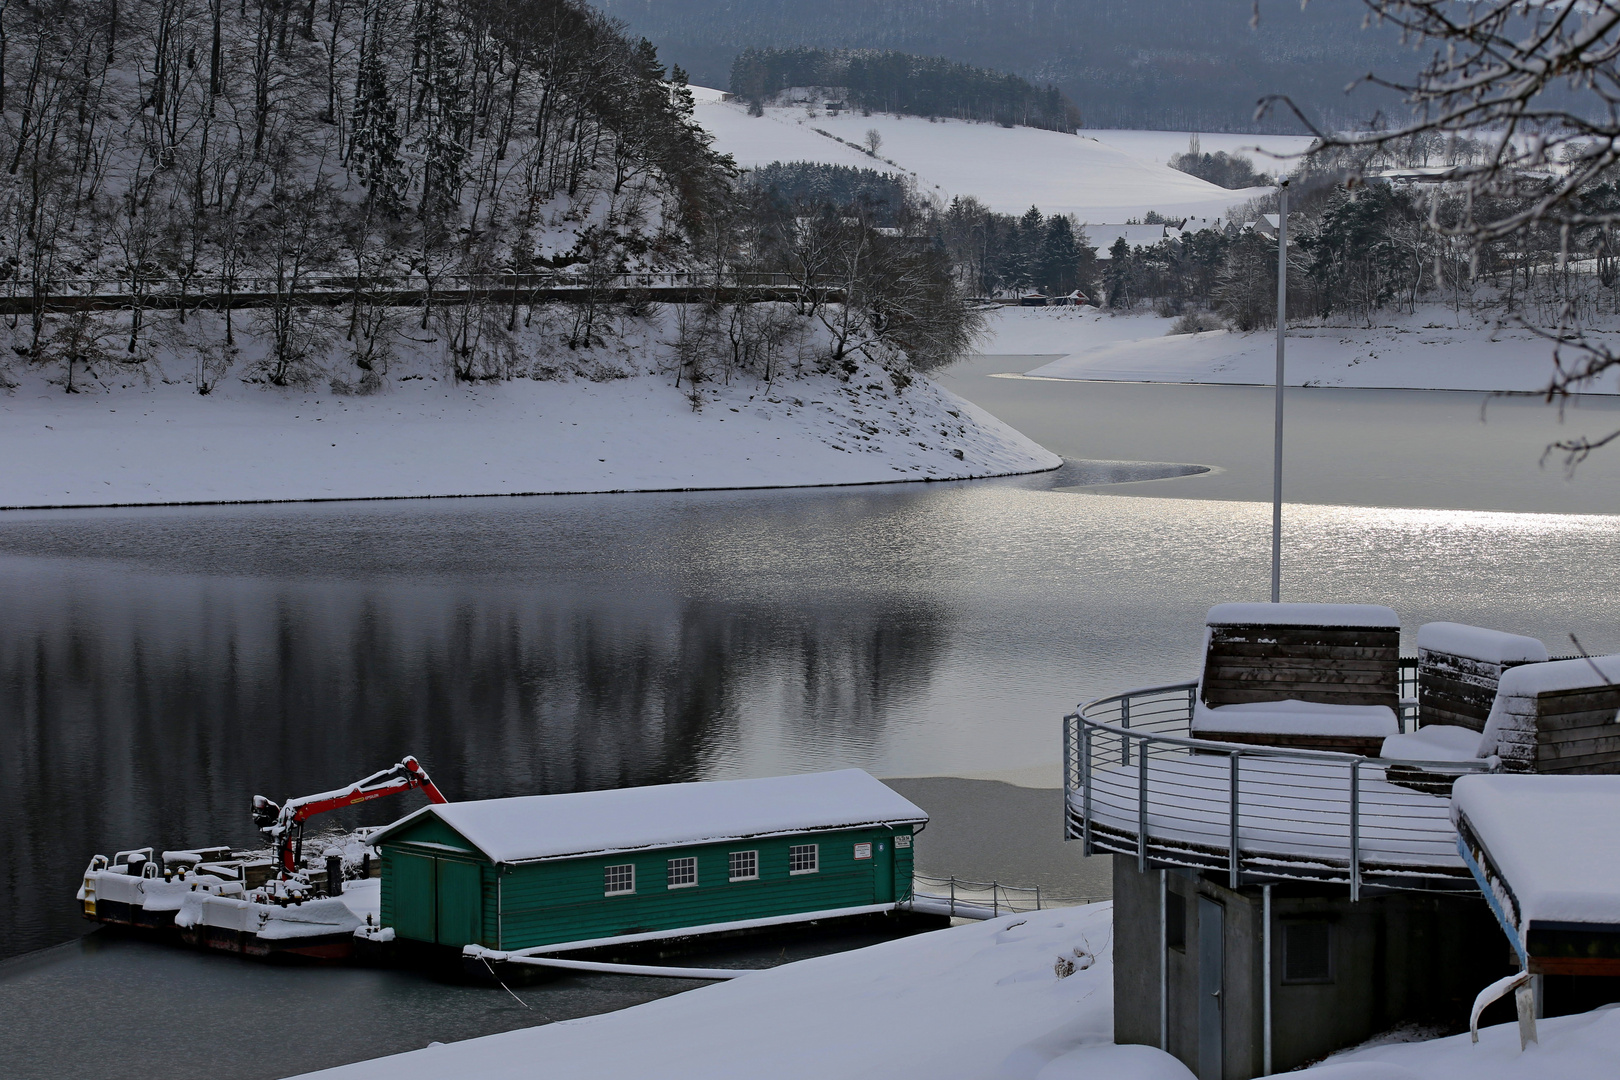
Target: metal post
[[1234, 871], [1164, 962], [1037, 898], [1265, 997], [1282, 332], [953, 896], [1125, 722], [1085, 786], [1068, 755], [1141, 810], [1355, 830]]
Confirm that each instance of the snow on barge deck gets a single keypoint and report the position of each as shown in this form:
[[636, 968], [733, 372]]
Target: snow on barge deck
[[258, 903]]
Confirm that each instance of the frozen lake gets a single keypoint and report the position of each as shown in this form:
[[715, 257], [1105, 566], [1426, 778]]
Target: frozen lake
[[159, 667]]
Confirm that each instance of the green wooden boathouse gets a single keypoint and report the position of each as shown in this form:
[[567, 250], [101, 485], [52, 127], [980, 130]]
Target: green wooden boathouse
[[546, 869]]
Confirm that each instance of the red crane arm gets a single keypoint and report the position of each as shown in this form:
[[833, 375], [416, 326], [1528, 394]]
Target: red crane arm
[[406, 775], [284, 823]]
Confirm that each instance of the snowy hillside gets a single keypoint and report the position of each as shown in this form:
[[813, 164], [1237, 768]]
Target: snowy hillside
[[1008, 169], [1427, 350], [429, 436]]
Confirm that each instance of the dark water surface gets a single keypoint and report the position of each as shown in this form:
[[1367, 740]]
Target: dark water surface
[[158, 667]]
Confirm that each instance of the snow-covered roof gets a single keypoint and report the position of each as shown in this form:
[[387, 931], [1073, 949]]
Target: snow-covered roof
[[1102, 236], [1512, 719], [1478, 643], [532, 827], [1302, 615], [1552, 840], [1533, 679]]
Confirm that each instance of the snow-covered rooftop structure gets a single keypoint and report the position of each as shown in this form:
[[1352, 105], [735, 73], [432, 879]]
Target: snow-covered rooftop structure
[[534, 827], [1546, 855]]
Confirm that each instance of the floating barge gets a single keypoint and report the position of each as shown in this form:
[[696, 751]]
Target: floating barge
[[258, 903], [228, 901]]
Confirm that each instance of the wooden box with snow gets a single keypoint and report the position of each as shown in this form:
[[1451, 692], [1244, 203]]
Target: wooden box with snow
[[542, 870]]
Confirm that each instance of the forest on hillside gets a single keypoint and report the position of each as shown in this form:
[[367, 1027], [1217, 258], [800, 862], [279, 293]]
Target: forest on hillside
[[1166, 64], [895, 82], [212, 147], [289, 193]]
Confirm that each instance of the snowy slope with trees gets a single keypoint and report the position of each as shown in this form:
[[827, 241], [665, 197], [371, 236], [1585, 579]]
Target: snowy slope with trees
[[428, 435], [1425, 350], [1007, 168]]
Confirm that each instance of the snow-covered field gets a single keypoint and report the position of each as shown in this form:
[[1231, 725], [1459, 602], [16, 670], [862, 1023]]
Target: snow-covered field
[[426, 436], [1268, 152], [970, 1003], [1428, 350], [1093, 174]]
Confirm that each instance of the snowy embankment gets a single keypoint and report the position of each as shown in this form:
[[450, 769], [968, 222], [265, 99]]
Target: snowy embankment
[[1008, 169], [976, 1001], [1425, 351], [427, 436]]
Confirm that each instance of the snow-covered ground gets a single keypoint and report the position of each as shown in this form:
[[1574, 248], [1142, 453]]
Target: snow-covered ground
[[1091, 174], [1428, 350], [427, 436], [973, 1002], [1268, 152]]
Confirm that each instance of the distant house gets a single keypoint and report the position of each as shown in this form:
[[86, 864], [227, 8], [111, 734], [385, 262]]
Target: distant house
[[544, 869], [1103, 236]]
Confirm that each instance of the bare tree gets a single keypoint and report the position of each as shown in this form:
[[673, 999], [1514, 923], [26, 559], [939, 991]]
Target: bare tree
[[1524, 99]]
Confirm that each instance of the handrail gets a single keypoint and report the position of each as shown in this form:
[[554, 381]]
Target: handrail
[[1137, 782]]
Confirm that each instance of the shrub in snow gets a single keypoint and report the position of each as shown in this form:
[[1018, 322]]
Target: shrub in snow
[[1063, 967], [1196, 322]]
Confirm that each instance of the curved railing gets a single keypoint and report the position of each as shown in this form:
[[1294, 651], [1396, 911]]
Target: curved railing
[[1137, 782]]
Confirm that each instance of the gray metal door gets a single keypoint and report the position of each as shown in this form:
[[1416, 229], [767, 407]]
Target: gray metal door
[[1211, 978]]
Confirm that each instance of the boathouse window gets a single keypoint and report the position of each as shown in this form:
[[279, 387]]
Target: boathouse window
[[617, 880], [682, 873], [802, 858], [744, 865], [1175, 921], [1307, 952]]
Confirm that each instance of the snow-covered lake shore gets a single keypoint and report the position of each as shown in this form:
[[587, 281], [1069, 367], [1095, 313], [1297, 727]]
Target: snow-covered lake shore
[[975, 1001], [430, 437], [1433, 349]]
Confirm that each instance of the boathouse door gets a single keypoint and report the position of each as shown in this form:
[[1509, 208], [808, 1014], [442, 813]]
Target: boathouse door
[[1211, 977], [883, 872], [413, 882], [460, 903]]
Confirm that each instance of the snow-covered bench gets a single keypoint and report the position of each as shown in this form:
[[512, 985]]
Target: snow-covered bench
[[1313, 676], [1459, 670]]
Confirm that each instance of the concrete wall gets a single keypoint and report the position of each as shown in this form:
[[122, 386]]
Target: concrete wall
[[1395, 958]]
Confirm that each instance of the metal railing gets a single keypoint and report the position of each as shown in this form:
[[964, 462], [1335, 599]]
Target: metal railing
[[157, 283], [1137, 782], [961, 895]]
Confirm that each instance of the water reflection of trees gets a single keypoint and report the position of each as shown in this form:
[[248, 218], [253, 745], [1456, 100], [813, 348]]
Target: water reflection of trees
[[136, 709]]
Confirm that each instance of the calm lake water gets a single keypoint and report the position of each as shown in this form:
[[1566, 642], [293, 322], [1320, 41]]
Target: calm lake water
[[158, 667]]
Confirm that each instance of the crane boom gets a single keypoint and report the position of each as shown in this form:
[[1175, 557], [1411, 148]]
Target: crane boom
[[284, 823]]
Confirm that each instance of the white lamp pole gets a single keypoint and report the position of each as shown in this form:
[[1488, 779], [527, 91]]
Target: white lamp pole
[[1282, 331]]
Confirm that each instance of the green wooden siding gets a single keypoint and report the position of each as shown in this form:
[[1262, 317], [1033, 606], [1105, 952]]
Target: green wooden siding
[[562, 900]]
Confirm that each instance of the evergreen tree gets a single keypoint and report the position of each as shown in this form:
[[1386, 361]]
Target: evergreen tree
[[1117, 276], [1060, 257]]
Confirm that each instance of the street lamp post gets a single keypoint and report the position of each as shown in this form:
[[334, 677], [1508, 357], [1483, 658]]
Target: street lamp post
[[1282, 330]]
